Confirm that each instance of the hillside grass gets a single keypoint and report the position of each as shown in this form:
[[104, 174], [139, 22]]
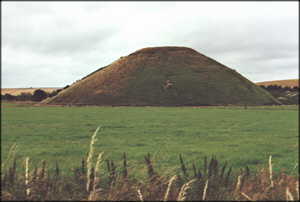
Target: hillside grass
[[234, 134], [141, 78]]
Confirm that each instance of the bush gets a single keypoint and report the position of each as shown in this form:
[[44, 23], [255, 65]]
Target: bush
[[39, 95]]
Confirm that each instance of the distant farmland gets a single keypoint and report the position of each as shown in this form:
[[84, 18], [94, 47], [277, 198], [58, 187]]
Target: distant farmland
[[288, 83], [18, 91]]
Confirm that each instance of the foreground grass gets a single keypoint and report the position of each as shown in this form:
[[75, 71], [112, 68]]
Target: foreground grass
[[89, 182], [234, 134]]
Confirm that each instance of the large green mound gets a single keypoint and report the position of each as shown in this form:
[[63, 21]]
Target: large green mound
[[164, 76]]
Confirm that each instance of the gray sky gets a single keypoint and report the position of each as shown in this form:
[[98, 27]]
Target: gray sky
[[53, 44]]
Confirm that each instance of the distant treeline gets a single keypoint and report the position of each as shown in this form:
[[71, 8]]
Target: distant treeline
[[38, 95], [277, 87]]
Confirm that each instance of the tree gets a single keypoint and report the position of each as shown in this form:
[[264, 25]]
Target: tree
[[39, 95]]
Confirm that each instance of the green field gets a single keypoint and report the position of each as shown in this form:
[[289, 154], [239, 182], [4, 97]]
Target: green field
[[234, 134]]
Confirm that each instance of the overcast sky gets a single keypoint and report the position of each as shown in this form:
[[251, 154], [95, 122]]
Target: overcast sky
[[53, 44]]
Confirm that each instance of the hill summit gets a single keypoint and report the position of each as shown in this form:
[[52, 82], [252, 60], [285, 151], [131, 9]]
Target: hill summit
[[164, 76]]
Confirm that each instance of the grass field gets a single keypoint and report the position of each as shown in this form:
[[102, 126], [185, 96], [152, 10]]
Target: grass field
[[234, 134]]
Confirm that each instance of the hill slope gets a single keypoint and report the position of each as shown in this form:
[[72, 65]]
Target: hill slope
[[164, 76]]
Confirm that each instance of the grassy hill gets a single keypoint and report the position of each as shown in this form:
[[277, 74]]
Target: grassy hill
[[164, 76]]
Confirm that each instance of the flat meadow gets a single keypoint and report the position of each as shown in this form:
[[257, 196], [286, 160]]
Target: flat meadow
[[242, 137]]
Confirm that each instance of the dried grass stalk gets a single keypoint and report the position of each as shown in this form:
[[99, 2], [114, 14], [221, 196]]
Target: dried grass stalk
[[99, 160], [289, 196], [238, 184], [297, 189], [169, 187], [246, 196], [27, 176], [90, 160], [205, 190], [183, 191], [140, 195], [96, 171], [94, 195], [271, 172], [11, 155]]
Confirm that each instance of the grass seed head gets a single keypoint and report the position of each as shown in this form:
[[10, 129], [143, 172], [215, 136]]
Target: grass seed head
[[169, 187], [297, 189], [289, 196], [205, 190], [183, 191], [27, 175], [271, 172], [90, 160], [97, 170], [238, 184], [246, 196], [140, 195], [11, 155]]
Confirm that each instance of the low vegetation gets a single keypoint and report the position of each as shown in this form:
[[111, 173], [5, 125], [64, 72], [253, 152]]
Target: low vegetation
[[285, 94], [18, 91], [90, 181], [283, 83], [25, 95]]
